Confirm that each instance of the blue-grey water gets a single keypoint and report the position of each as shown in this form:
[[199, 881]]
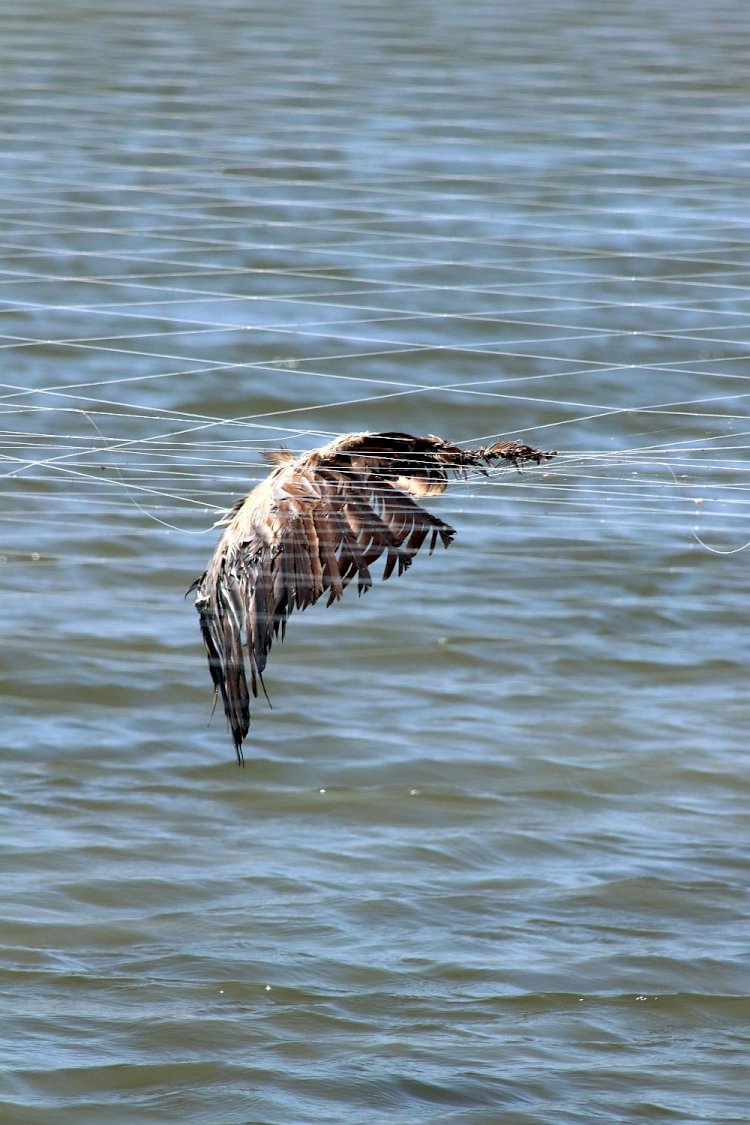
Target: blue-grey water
[[488, 860]]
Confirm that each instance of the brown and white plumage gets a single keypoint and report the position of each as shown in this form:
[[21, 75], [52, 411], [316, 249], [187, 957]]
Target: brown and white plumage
[[318, 521]]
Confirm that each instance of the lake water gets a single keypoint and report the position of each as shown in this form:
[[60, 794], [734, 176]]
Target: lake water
[[488, 860]]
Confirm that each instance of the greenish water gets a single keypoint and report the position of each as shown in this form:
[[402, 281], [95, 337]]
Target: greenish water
[[488, 861]]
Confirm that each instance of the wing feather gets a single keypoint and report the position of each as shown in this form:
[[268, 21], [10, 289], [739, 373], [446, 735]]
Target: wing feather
[[328, 541], [318, 521]]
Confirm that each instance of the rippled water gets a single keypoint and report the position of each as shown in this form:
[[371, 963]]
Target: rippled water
[[488, 859]]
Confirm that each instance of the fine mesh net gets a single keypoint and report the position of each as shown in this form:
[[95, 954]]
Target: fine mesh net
[[230, 229]]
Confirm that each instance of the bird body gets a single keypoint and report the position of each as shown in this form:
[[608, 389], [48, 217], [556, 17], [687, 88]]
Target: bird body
[[317, 521]]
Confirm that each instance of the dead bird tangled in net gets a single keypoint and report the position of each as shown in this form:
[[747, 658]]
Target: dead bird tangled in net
[[316, 522]]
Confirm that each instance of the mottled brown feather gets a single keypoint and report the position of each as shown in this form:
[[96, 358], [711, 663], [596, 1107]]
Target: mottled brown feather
[[315, 523]]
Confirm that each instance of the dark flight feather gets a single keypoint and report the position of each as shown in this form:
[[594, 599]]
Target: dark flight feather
[[315, 524]]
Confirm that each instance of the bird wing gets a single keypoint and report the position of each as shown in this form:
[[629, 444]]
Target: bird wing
[[307, 531]]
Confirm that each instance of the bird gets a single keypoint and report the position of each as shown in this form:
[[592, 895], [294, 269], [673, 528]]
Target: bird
[[319, 520]]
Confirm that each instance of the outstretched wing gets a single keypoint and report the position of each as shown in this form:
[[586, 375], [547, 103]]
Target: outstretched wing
[[315, 524], [323, 527]]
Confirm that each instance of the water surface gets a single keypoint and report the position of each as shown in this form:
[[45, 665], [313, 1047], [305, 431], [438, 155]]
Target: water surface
[[488, 859]]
